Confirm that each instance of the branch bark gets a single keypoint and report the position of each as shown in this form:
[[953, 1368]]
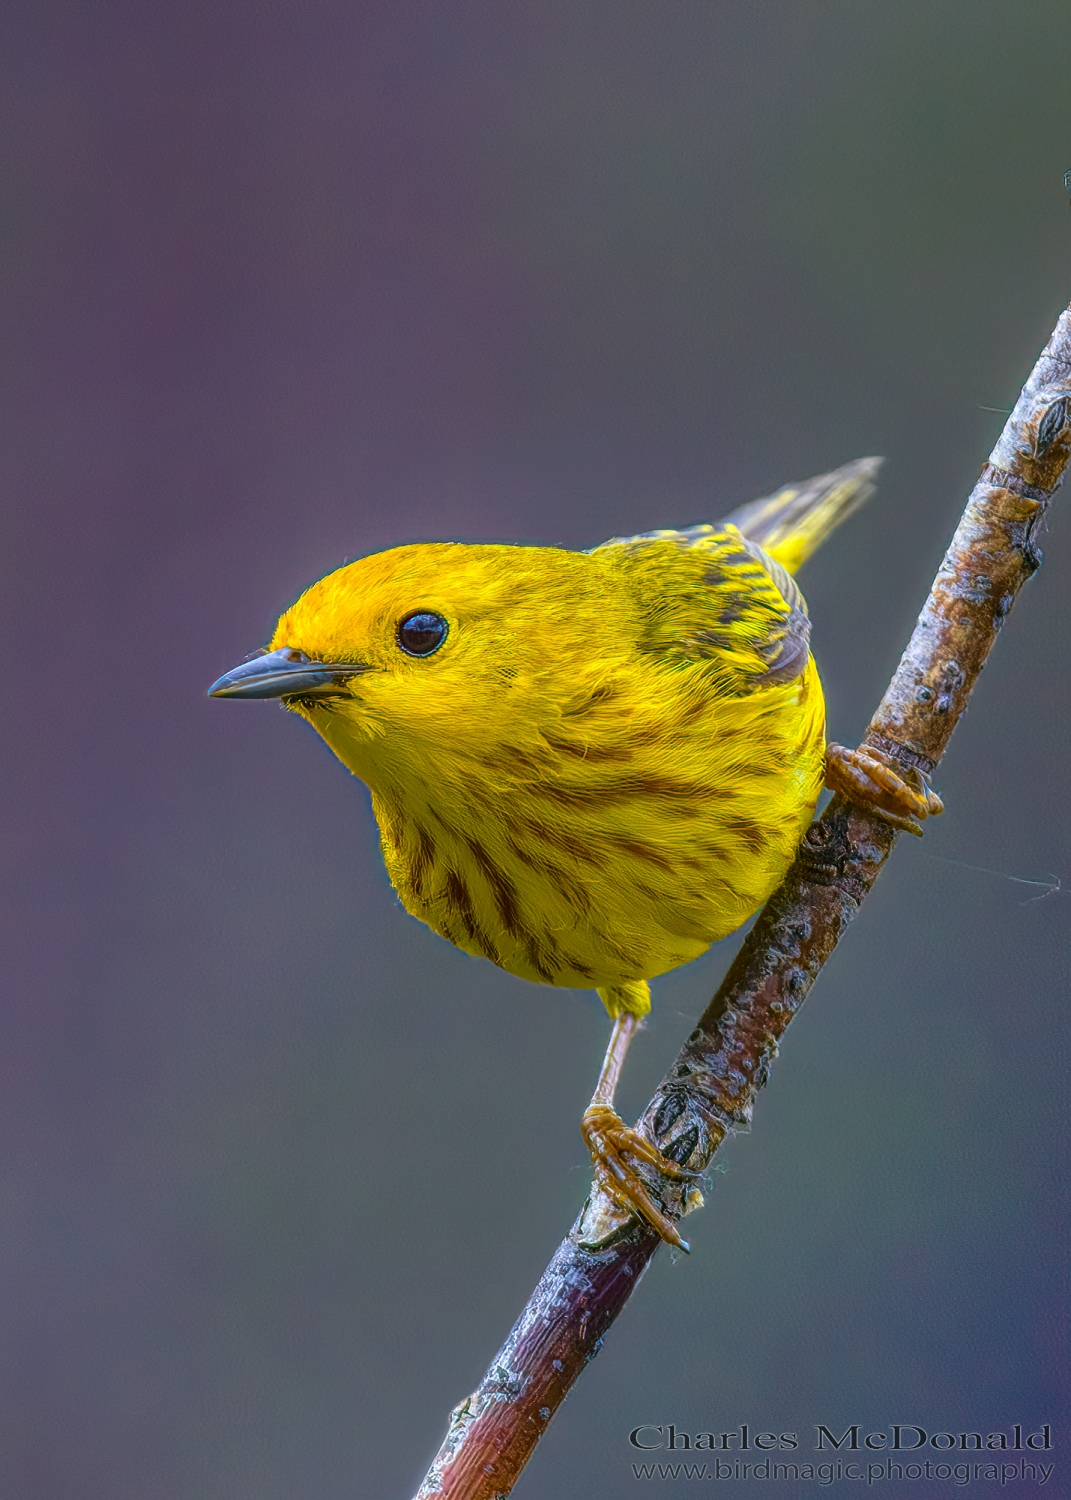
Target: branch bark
[[710, 1090]]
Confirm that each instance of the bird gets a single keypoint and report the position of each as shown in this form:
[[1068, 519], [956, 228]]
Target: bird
[[587, 766]]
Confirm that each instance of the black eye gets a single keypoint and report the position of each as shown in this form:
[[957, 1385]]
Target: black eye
[[421, 634]]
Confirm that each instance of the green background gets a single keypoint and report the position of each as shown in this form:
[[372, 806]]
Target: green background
[[287, 283]]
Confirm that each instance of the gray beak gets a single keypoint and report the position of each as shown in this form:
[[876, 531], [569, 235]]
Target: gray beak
[[278, 674]]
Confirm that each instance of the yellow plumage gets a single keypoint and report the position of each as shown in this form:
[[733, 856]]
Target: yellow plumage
[[607, 763], [587, 766]]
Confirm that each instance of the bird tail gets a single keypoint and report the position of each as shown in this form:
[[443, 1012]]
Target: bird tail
[[792, 524]]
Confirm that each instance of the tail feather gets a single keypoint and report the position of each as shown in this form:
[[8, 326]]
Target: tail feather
[[794, 522]]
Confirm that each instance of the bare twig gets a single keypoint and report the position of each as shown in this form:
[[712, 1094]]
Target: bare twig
[[711, 1088]]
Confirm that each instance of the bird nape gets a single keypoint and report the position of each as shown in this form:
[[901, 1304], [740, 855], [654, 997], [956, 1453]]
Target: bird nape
[[586, 766]]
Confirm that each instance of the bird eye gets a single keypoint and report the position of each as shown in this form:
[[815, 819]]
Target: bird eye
[[421, 634]]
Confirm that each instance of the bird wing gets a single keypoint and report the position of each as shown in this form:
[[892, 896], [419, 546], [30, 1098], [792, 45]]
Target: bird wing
[[725, 594], [709, 594]]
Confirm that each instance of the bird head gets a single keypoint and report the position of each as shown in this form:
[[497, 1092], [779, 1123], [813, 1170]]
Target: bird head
[[408, 659]]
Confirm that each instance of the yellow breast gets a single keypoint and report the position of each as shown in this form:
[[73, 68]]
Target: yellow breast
[[651, 822]]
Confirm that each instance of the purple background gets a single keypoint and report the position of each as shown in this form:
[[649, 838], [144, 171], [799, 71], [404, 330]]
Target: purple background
[[287, 283]]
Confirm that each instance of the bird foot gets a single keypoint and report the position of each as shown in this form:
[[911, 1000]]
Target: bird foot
[[877, 783], [615, 1147]]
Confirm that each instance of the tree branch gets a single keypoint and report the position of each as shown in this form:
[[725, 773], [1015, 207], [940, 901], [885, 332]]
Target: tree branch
[[710, 1090]]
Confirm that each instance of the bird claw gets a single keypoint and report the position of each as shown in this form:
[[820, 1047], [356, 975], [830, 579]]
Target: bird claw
[[614, 1147], [878, 783]]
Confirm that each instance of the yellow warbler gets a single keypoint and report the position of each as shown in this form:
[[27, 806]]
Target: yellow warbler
[[585, 766]]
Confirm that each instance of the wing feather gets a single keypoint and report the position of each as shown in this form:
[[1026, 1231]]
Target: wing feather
[[713, 594], [709, 594]]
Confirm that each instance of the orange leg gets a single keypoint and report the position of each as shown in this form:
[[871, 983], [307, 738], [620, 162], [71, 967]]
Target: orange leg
[[615, 1147], [874, 781]]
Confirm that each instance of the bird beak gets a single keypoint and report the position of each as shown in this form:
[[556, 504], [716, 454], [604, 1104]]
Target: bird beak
[[278, 674]]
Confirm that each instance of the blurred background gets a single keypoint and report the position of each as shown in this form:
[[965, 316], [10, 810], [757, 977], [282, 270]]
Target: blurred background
[[287, 283]]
